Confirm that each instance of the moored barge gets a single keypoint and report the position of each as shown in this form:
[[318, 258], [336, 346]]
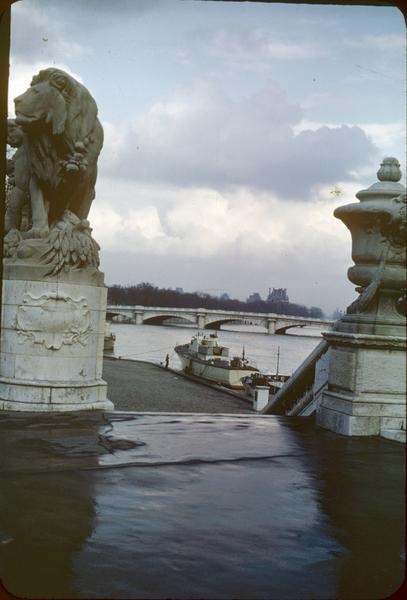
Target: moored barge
[[204, 357]]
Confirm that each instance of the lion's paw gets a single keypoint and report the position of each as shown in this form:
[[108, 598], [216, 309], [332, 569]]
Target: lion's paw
[[36, 232]]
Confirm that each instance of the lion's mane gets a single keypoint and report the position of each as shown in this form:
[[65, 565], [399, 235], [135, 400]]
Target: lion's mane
[[71, 129]]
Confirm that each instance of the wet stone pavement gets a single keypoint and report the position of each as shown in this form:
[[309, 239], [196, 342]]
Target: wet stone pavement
[[118, 505], [140, 386]]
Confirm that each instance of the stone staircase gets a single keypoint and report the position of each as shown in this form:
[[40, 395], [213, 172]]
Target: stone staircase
[[396, 435], [302, 393]]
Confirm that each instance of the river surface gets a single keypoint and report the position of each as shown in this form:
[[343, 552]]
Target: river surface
[[152, 342]]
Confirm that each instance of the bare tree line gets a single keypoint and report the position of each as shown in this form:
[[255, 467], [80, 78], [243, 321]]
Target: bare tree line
[[147, 294]]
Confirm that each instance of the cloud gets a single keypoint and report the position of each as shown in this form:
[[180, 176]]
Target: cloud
[[201, 136], [168, 220], [38, 41], [250, 45], [37, 36], [114, 8], [113, 143], [200, 237], [203, 187], [389, 137], [383, 42], [247, 262]]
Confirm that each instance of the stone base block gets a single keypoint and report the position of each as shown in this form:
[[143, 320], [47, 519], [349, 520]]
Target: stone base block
[[346, 424], [51, 353], [51, 396], [357, 413], [366, 392]]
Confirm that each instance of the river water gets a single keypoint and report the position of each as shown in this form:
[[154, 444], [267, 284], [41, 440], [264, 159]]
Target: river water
[[152, 342]]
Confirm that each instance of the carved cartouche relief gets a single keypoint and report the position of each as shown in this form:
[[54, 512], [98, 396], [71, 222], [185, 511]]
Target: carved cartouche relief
[[53, 320]]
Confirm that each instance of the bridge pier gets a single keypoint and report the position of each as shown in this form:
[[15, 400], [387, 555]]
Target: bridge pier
[[200, 318], [138, 317], [271, 326]]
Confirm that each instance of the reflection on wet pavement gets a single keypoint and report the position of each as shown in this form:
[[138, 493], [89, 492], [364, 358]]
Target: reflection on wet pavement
[[151, 506]]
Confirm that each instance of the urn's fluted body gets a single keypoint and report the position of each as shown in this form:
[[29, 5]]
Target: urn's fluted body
[[377, 224]]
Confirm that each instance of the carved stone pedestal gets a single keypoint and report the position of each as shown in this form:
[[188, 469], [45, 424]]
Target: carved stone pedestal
[[52, 341], [366, 385]]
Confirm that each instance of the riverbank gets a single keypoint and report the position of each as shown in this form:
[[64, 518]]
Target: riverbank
[[141, 386]]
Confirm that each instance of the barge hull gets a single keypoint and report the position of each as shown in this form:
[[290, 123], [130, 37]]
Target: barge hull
[[210, 372]]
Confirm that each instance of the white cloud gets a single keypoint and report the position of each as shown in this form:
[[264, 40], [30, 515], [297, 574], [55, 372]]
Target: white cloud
[[38, 36], [194, 221], [382, 42], [200, 136], [231, 239], [246, 261], [146, 220], [208, 187], [251, 46], [389, 138], [112, 145], [167, 219]]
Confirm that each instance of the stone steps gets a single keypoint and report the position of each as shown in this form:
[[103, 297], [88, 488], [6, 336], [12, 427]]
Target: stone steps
[[396, 435]]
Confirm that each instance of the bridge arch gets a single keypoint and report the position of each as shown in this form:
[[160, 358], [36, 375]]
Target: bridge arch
[[110, 314], [217, 324], [283, 329], [160, 319], [243, 321]]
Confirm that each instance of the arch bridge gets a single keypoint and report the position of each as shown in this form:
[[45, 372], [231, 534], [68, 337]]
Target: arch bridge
[[211, 319]]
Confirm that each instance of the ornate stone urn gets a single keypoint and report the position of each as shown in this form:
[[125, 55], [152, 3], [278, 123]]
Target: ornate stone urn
[[366, 384], [378, 227]]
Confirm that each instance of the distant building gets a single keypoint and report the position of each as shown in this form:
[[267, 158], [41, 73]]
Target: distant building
[[179, 290], [255, 297], [278, 295], [225, 296]]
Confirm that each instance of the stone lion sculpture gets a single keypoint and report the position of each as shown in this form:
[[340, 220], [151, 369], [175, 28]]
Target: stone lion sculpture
[[52, 174], [63, 139]]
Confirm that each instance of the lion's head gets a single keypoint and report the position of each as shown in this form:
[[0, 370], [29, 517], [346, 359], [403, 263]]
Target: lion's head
[[56, 99], [41, 104], [59, 116]]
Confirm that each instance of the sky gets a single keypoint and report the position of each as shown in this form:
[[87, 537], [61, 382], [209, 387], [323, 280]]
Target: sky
[[232, 132]]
